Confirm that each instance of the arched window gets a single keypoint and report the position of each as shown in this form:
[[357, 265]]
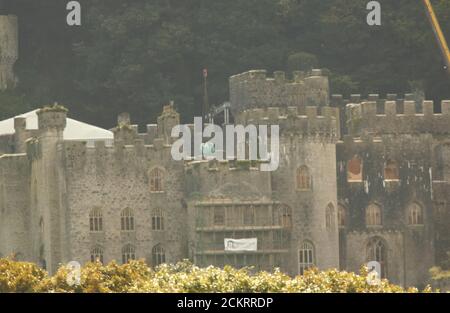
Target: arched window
[[97, 254], [391, 170], [354, 169], [376, 251], [342, 216], [157, 219], [41, 226], [285, 216], [128, 253], [373, 215], [306, 257], [127, 220], [303, 178], [156, 178], [96, 220], [158, 255], [415, 214], [329, 215]]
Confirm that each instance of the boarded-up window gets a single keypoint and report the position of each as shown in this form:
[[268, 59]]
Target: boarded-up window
[[219, 216], [342, 216], [156, 178], [391, 170], [249, 215], [285, 216], [354, 169], [415, 214], [303, 178], [373, 215]]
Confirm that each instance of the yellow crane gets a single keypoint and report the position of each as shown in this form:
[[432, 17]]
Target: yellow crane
[[438, 32]]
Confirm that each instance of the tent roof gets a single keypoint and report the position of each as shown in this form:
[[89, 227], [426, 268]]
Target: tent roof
[[75, 130]]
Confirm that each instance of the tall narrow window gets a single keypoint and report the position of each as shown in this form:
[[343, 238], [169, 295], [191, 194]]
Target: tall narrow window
[[41, 226], [128, 253], [97, 254], [391, 171], [249, 215], [329, 216], [354, 169], [219, 216], [376, 251], [158, 255], [156, 178], [342, 216], [373, 215], [303, 178], [285, 216], [306, 257], [157, 219], [415, 214], [127, 220], [96, 220]]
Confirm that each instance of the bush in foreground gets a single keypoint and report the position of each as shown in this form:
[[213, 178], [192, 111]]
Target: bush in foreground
[[183, 277]]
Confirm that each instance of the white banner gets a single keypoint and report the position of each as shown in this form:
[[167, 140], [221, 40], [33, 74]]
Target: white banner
[[247, 244]]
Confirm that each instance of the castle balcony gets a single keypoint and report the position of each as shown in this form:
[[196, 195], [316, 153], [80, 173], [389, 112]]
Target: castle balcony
[[219, 251], [241, 225]]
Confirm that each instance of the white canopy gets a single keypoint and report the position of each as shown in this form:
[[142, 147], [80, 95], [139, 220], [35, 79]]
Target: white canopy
[[75, 130]]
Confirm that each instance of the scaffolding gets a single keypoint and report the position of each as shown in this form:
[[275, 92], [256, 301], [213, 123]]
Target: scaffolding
[[269, 222]]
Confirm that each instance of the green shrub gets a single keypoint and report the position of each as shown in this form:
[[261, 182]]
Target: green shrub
[[183, 277]]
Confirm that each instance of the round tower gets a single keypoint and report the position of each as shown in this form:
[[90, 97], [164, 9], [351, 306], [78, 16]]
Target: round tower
[[9, 50]]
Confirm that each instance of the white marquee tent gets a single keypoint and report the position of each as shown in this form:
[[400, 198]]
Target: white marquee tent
[[75, 130]]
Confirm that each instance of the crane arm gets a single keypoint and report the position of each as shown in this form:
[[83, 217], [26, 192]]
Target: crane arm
[[438, 32]]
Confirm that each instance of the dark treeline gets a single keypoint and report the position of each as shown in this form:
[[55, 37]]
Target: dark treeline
[[136, 55]]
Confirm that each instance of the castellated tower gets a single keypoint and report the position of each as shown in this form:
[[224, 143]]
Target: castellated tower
[[393, 186], [292, 211], [9, 50], [254, 89], [48, 218]]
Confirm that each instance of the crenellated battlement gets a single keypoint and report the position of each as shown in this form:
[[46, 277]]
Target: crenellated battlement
[[308, 121], [338, 100], [254, 89], [397, 116]]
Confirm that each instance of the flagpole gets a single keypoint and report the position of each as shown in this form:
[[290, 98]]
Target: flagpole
[[205, 109]]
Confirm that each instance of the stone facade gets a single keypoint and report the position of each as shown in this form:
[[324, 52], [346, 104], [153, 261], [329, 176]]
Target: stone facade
[[9, 50], [377, 192]]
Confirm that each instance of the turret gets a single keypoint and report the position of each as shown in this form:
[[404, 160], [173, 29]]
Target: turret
[[48, 175], [254, 89], [9, 50], [168, 119]]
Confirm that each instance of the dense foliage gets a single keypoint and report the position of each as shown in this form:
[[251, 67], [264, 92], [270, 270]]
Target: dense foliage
[[135, 55], [182, 277]]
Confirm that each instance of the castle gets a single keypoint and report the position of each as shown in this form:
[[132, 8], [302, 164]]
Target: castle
[[369, 183]]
